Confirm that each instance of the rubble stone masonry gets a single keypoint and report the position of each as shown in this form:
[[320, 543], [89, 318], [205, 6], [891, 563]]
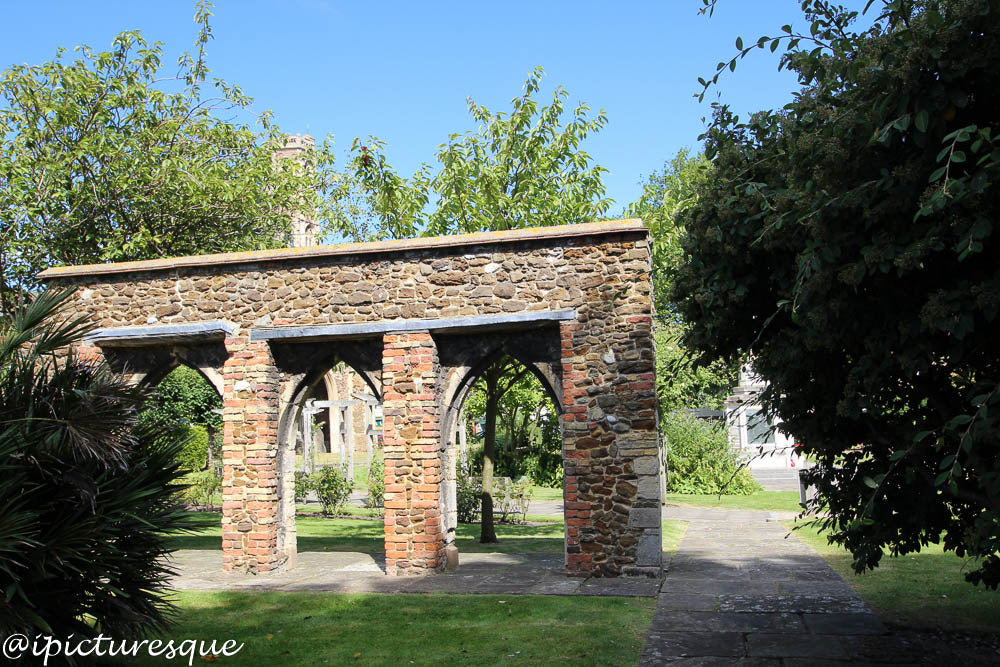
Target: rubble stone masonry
[[408, 294]]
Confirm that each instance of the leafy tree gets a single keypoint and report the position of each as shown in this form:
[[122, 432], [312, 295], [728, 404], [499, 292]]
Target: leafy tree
[[185, 397], [519, 169], [494, 384], [667, 193], [87, 489], [684, 382], [527, 439], [105, 158], [847, 242]]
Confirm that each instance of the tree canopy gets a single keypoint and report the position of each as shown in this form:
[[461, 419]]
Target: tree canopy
[[522, 168], [847, 243], [106, 158], [666, 193], [683, 380]]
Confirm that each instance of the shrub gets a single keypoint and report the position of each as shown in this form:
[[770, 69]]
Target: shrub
[[333, 488], [468, 493], [376, 484], [87, 491], [700, 460], [545, 469], [194, 456], [303, 485], [202, 486]]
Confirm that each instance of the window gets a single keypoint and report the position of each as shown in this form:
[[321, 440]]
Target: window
[[759, 431]]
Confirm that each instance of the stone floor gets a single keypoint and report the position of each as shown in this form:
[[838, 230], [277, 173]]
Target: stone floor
[[349, 572], [742, 591]]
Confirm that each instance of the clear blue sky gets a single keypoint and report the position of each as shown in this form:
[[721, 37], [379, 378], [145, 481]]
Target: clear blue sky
[[402, 70]]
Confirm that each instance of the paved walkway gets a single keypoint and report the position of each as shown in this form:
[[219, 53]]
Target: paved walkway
[[353, 572], [742, 591]]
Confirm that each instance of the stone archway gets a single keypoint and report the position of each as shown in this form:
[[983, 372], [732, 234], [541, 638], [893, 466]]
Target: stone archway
[[574, 301]]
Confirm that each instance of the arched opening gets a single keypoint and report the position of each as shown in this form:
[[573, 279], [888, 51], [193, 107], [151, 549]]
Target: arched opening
[[186, 400], [503, 457], [330, 481]]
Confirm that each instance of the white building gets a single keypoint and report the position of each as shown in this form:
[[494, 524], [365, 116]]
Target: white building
[[770, 451]]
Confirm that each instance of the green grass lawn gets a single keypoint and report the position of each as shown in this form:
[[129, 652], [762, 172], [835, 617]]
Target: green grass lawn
[[545, 493], [762, 500], [925, 590], [373, 629], [326, 534], [673, 533]]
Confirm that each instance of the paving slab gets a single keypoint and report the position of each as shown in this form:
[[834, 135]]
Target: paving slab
[[843, 624], [353, 572], [785, 645], [710, 621], [669, 645], [742, 590]]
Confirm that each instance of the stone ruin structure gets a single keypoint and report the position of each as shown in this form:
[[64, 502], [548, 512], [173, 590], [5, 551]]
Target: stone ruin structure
[[419, 320]]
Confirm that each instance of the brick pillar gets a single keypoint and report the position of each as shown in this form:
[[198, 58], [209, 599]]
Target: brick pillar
[[249, 457], [414, 535], [576, 452], [87, 352]]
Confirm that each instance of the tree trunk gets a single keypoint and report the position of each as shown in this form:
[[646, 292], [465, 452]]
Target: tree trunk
[[488, 533]]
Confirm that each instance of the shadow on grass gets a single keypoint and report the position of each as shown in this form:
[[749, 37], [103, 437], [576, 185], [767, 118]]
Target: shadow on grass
[[923, 590]]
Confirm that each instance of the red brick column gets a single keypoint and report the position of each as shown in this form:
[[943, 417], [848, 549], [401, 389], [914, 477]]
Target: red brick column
[[249, 457], [87, 352], [414, 533], [576, 448]]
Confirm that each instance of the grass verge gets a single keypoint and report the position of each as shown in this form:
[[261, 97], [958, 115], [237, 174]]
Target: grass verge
[[772, 501], [924, 590], [673, 533]]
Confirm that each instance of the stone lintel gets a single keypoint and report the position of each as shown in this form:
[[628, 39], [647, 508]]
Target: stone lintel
[[478, 323], [158, 334]]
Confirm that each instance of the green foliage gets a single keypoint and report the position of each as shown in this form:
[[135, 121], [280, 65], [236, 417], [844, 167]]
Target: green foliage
[[107, 158], [700, 459], [468, 493], [87, 489], [376, 484], [848, 244], [684, 383], [333, 487], [202, 487], [194, 456], [303, 486], [665, 195], [522, 168], [683, 379], [185, 397], [528, 438]]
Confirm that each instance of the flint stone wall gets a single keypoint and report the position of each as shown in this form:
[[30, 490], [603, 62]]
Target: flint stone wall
[[599, 271]]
